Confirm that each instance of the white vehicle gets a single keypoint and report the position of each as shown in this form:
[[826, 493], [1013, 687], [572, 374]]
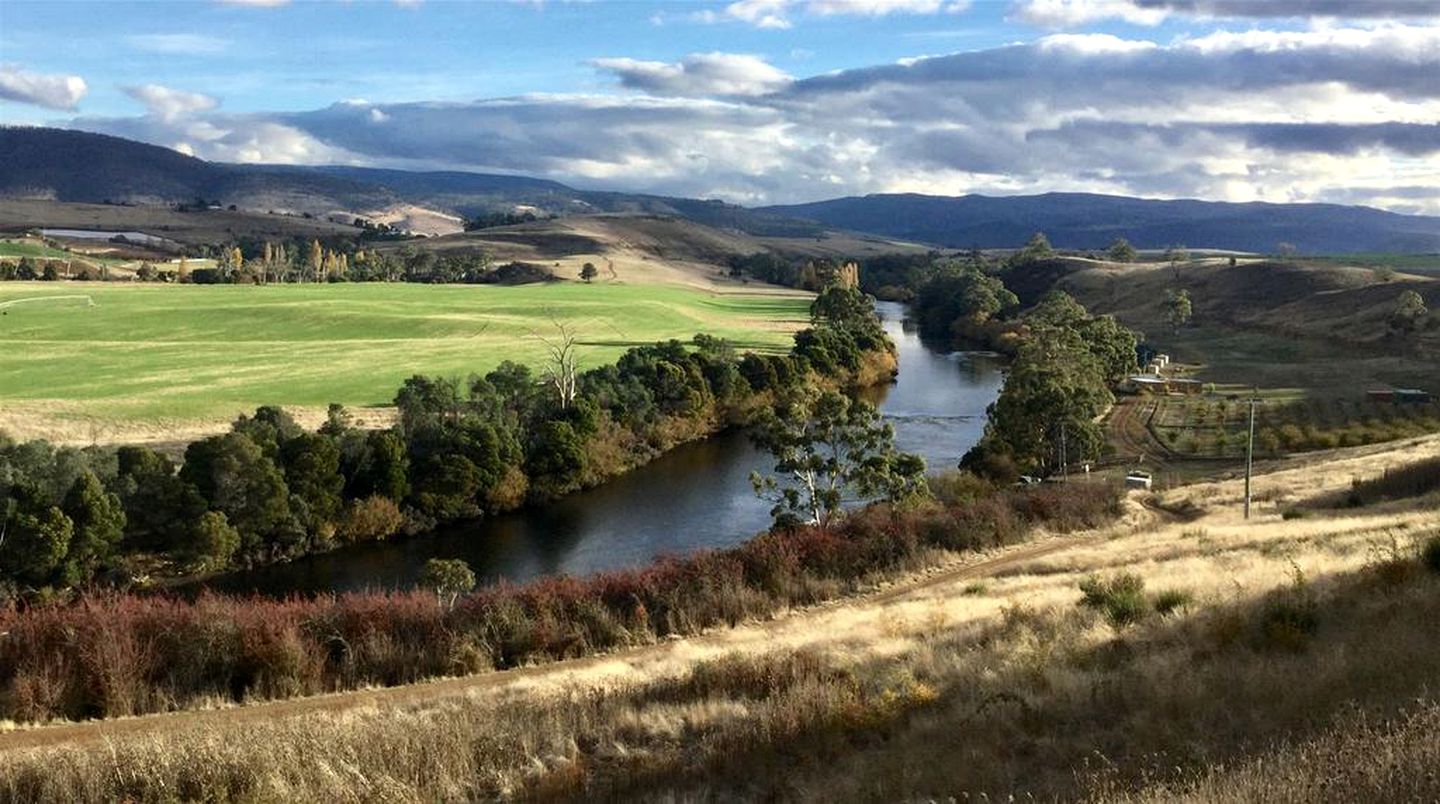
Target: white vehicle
[[1138, 480]]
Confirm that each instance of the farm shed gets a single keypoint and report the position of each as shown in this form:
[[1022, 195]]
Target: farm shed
[[1401, 396], [1149, 384]]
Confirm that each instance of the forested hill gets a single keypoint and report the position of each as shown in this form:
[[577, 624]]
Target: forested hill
[[1081, 220], [63, 165]]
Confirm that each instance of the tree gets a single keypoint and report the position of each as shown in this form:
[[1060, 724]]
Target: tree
[[561, 370], [957, 297], [34, 535], [1176, 255], [383, 468], [99, 522], [1121, 251], [212, 542], [1409, 312], [1177, 308], [312, 473], [1036, 248], [830, 449], [448, 578], [588, 271], [235, 477], [315, 260], [1054, 392]]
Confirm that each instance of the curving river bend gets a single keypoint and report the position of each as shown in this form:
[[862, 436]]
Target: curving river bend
[[694, 497]]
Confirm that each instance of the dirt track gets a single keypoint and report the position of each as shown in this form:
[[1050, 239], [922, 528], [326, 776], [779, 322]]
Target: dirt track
[[91, 731], [1041, 570]]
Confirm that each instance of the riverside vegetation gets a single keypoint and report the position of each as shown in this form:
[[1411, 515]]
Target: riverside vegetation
[[1155, 664], [108, 654], [268, 490]]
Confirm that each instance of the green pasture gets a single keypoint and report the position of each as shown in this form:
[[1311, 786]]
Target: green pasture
[[138, 352], [16, 249]]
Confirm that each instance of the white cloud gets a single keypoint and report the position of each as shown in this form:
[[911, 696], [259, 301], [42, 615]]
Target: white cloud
[[169, 104], [698, 74], [1346, 114], [51, 91], [1074, 13], [181, 44], [778, 13]]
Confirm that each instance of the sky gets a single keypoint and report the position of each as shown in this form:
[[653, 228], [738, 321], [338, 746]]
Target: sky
[[769, 101]]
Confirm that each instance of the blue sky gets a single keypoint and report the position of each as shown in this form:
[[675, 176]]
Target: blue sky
[[769, 100]]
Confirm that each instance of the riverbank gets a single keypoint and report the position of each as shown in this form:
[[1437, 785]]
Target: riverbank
[[936, 406], [992, 661], [108, 655], [269, 491]]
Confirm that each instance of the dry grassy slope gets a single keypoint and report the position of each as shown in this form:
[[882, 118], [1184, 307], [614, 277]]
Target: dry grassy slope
[[1214, 554], [196, 228], [1321, 302], [643, 247]]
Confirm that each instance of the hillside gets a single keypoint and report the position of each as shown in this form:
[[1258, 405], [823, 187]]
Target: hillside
[[646, 247], [1276, 658], [1088, 221], [75, 166], [1318, 327]]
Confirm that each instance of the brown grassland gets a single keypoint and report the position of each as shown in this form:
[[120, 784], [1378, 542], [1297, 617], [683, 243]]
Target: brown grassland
[[1290, 657]]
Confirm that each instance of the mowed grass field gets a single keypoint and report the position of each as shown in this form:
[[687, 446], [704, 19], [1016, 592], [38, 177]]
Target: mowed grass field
[[158, 358]]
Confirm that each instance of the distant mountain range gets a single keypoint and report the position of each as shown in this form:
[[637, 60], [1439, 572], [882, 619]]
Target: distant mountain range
[[1082, 220], [65, 165]]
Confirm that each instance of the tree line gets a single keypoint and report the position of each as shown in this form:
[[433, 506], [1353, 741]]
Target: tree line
[[269, 490], [1065, 361]]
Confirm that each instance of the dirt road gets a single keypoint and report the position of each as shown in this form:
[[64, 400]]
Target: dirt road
[[92, 731]]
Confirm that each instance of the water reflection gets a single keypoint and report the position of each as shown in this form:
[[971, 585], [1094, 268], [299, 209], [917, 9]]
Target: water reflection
[[697, 496]]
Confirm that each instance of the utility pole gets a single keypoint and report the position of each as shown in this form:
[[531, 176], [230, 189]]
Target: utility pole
[[1249, 456], [1064, 455]]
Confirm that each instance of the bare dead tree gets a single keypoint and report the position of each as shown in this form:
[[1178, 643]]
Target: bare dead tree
[[561, 372]]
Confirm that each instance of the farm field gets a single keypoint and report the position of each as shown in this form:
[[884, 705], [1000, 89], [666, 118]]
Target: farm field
[[162, 363], [1216, 425]]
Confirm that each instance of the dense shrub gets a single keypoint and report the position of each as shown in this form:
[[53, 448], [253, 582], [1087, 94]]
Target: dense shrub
[[1410, 480], [108, 653]]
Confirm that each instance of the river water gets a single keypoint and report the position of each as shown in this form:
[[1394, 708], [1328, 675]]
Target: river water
[[694, 497]]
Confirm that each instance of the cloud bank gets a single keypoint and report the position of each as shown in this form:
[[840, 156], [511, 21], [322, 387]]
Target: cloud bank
[[1328, 114]]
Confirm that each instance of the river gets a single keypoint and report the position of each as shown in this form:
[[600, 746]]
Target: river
[[694, 497]]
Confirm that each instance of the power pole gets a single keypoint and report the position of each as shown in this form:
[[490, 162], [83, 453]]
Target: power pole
[[1064, 455], [1249, 456]]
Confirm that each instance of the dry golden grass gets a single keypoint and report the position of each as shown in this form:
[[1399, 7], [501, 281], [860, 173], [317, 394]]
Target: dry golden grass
[[937, 687]]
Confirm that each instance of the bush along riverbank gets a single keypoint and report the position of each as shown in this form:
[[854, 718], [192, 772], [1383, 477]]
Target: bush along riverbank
[[268, 491], [110, 654]]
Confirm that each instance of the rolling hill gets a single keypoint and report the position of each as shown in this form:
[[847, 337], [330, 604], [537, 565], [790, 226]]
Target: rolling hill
[[75, 166], [1087, 221]]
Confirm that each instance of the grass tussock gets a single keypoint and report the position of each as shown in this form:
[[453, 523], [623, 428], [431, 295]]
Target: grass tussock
[[1046, 702], [108, 655], [1411, 480]]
